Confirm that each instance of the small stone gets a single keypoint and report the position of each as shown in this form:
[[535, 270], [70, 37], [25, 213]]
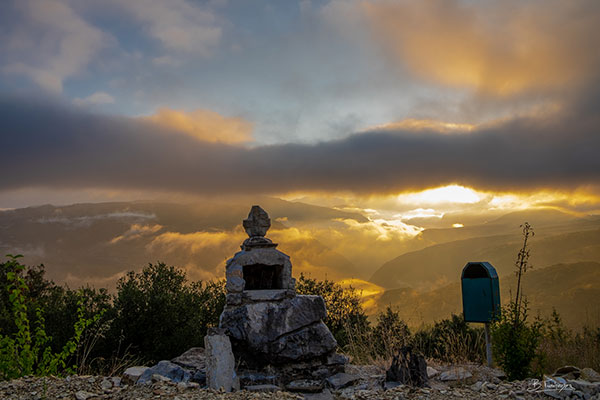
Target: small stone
[[83, 395], [337, 359], [568, 372], [116, 381], [431, 372], [132, 374], [342, 380], [257, 223], [455, 374], [235, 284], [477, 386], [159, 378], [324, 395], [391, 384], [305, 385], [262, 388], [590, 375], [167, 369], [194, 358], [106, 384]]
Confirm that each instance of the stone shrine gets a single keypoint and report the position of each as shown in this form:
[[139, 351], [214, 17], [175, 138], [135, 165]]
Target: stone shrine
[[270, 327]]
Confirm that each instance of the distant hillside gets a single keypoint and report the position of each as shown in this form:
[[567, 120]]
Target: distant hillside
[[441, 264], [573, 289], [545, 222], [95, 243]]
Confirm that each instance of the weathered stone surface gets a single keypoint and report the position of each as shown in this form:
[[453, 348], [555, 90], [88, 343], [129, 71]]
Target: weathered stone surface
[[194, 358], [260, 323], [268, 256], [287, 330], [324, 395], [266, 295], [337, 359], [309, 342], [262, 388], [257, 223], [220, 363], [590, 375], [167, 369], [250, 378], [83, 395], [455, 374], [342, 380], [305, 385], [409, 368], [233, 299], [568, 372], [235, 284], [106, 384], [431, 372], [132, 374], [391, 384]]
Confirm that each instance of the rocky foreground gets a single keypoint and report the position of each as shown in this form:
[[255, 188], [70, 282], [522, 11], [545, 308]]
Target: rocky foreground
[[359, 382]]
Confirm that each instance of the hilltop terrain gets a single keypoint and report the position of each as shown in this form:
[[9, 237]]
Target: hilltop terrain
[[97, 243]]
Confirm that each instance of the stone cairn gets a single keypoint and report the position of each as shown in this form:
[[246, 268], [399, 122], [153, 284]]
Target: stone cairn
[[277, 336]]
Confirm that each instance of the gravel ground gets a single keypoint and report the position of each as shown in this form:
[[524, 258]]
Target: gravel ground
[[482, 384]]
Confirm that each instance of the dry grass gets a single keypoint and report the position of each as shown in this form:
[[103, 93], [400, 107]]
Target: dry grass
[[581, 349]]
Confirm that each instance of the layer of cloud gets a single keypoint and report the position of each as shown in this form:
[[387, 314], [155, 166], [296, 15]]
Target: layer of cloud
[[204, 124], [178, 25], [56, 146], [50, 43], [96, 98], [499, 48]]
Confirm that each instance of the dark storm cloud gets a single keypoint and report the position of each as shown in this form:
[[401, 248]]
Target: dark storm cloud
[[48, 145]]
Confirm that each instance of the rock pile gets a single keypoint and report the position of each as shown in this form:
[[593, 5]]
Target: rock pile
[[278, 337]]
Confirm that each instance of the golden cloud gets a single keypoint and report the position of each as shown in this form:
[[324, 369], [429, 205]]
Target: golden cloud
[[498, 48], [196, 241], [204, 124], [136, 231]]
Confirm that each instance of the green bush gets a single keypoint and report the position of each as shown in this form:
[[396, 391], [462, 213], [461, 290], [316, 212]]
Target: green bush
[[24, 352], [159, 314], [516, 343]]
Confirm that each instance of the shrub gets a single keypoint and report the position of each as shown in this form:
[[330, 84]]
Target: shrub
[[390, 334], [160, 315], [451, 340], [515, 343], [25, 352]]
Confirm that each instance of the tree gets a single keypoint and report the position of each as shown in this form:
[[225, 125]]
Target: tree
[[159, 314]]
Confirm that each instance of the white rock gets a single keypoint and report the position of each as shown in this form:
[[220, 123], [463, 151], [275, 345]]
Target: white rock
[[83, 395], [106, 384], [220, 363], [132, 374], [455, 374], [431, 372]]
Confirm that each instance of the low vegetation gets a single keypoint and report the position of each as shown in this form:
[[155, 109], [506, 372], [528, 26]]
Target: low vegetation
[[157, 314]]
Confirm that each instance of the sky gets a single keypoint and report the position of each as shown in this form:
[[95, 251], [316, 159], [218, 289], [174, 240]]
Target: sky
[[401, 109]]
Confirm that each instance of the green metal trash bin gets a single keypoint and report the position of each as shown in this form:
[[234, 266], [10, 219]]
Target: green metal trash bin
[[480, 292]]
